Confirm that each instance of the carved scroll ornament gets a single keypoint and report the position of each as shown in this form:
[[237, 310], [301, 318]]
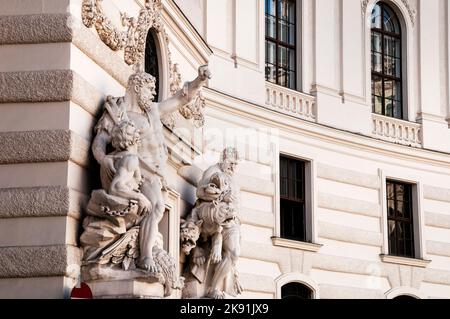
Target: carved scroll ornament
[[411, 11]]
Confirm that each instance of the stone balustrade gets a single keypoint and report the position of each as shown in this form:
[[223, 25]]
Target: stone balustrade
[[397, 131], [290, 102]]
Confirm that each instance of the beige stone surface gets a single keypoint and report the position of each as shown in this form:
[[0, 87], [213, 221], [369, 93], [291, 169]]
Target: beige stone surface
[[35, 146], [438, 248], [13, 7], [33, 175], [127, 289], [43, 146], [437, 220], [347, 176], [349, 234], [34, 57], [38, 231], [36, 86], [38, 261], [342, 292], [38, 28], [16, 116], [34, 202], [349, 205], [436, 193], [36, 288]]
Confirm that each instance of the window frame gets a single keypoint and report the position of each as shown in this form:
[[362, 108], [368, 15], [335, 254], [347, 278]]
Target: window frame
[[296, 277], [386, 77], [310, 205], [409, 221], [278, 42], [420, 259]]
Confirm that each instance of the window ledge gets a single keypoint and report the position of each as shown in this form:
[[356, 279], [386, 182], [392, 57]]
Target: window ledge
[[404, 261], [288, 243]]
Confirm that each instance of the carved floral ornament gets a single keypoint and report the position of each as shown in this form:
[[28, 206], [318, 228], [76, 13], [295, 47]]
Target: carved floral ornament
[[132, 39], [411, 11]]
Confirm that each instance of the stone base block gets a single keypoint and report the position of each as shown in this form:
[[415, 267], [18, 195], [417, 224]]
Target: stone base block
[[126, 289], [113, 282]]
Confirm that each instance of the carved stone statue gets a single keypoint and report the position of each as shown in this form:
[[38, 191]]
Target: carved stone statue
[[210, 236], [123, 217]]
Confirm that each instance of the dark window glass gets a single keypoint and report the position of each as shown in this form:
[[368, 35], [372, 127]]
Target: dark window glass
[[292, 199], [296, 290], [281, 42], [151, 60], [386, 62], [404, 297], [400, 219]]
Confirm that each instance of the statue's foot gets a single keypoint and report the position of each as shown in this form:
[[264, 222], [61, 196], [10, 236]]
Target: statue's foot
[[148, 264], [216, 294]]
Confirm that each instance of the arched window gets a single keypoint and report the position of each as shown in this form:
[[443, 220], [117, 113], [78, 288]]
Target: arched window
[[295, 290], [386, 43], [405, 297], [151, 59]]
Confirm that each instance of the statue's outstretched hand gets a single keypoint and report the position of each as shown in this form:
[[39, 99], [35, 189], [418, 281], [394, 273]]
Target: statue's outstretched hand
[[204, 73]]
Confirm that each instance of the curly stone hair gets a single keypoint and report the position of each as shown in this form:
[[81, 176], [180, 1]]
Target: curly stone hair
[[141, 79], [124, 135]]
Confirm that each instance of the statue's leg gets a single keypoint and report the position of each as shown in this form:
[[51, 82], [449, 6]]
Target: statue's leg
[[149, 226], [230, 256]]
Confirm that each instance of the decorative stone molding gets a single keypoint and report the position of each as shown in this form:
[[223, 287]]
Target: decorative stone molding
[[411, 11], [287, 243], [404, 261], [397, 131]]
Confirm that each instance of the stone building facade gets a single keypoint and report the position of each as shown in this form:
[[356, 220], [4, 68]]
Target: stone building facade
[[353, 147]]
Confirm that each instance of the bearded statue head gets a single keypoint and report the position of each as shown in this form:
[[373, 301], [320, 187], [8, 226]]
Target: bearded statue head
[[229, 160], [143, 85]]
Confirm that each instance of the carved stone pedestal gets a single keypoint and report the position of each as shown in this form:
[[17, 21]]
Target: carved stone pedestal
[[111, 282], [126, 289]]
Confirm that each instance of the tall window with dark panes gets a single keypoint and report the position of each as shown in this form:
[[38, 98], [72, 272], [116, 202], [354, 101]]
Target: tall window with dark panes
[[400, 219], [281, 42], [386, 44], [292, 199]]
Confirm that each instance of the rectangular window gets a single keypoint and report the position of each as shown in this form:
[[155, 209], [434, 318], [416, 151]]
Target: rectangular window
[[292, 199], [400, 219], [281, 42]]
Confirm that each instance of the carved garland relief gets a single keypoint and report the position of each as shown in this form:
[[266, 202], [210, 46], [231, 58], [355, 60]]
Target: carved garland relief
[[132, 39]]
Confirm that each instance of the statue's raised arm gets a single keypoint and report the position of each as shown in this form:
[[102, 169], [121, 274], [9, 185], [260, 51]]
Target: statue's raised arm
[[187, 94]]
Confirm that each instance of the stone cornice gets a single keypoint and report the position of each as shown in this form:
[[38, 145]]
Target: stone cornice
[[223, 105]]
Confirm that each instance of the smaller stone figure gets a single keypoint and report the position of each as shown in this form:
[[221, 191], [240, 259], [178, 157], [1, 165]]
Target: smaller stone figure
[[128, 178], [211, 268]]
